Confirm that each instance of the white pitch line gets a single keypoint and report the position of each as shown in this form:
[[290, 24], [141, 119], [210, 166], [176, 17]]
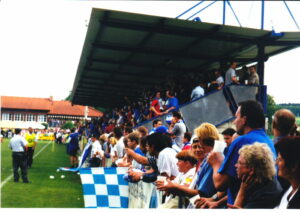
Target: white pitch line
[[9, 177]]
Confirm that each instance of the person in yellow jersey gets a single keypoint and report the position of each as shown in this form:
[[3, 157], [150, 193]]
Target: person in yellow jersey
[[32, 141]]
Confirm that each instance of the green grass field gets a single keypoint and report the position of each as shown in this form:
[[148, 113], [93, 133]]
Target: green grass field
[[42, 192]]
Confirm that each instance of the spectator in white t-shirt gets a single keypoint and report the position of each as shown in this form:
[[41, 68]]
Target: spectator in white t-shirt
[[186, 166], [119, 147], [96, 152]]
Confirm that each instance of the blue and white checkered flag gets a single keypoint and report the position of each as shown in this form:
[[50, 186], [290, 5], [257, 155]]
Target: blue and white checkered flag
[[104, 187], [85, 153]]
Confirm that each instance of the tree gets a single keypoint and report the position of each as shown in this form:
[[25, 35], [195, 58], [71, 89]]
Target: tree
[[68, 125], [272, 107]]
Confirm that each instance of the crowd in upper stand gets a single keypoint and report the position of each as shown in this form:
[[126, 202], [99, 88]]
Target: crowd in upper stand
[[175, 91]]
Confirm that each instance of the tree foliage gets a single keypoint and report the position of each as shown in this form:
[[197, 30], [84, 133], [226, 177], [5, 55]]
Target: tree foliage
[[68, 125], [272, 107]]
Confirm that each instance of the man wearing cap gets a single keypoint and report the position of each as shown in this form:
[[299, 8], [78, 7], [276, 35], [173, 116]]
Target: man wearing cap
[[18, 145], [31, 140]]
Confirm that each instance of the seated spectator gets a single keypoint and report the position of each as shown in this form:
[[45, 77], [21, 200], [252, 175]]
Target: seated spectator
[[288, 163], [186, 166], [187, 141], [172, 102], [256, 169], [198, 91]]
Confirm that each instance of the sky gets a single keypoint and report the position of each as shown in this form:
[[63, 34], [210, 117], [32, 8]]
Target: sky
[[41, 41]]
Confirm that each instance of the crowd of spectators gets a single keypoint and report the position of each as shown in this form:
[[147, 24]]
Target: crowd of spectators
[[205, 168], [165, 98]]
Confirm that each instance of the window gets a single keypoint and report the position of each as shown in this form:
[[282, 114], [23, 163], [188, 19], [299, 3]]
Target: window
[[41, 118], [18, 117], [5, 116], [30, 117]]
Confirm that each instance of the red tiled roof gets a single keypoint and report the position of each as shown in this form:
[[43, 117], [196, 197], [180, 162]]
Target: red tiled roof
[[66, 108], [25, 103], [53, 107]]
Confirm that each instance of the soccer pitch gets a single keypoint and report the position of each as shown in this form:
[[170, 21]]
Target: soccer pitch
[[42, 192]]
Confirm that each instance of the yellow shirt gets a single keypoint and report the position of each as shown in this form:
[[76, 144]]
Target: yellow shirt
[[30, 138]]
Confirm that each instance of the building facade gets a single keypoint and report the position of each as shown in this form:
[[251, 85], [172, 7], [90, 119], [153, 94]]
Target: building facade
[[20, 112]]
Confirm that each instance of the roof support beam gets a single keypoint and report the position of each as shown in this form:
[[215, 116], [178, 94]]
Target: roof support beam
[[175, 31]]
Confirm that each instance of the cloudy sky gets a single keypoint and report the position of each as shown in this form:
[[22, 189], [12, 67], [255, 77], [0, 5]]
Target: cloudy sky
[[41, 41]]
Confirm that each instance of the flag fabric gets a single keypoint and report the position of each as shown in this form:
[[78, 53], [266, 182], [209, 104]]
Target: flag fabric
[[85, 153], [104, 187]]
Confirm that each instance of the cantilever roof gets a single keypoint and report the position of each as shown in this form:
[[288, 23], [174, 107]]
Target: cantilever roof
[[124, 52]]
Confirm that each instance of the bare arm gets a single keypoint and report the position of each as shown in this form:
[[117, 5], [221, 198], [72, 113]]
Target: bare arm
[[140, 159], [221, 181]]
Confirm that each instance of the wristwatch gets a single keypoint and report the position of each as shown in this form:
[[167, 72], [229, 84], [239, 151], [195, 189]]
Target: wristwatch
[[215, 197]]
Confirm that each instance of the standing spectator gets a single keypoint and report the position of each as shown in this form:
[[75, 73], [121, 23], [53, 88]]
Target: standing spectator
[[198, 91], [256, 169], [187, 141], [219, 79], [228, 137], [31, 140], [18, 145], [156, 123], [143, 131], [119, 147], [253, 78], [186, 166], [97, 153], [230, 76], [177, 129], [164, 156], [172, 102], [73, 147], [249, 122], [155, 106], [284, 124], [288, 163]]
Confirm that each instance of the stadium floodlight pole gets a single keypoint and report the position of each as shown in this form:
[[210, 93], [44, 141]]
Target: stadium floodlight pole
[[237, 19], [224, 11], [201, 9], [190, 9], [262, 14], [291, 14]]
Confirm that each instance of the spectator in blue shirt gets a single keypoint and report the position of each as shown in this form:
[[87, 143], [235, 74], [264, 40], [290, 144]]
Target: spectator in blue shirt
[[172, 102]]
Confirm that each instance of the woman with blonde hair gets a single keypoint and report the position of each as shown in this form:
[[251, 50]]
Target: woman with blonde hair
[[207, 130], [256, 170]]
